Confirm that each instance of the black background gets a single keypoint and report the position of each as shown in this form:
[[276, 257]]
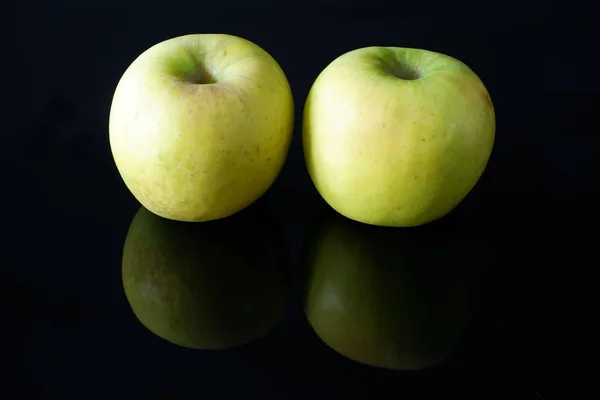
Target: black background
[[66, 327]]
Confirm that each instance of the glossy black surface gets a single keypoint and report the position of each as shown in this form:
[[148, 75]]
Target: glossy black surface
[[67, 328]]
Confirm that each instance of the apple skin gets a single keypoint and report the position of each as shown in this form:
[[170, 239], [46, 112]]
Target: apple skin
[[384, 148], [391, 298], [210, 285], [201, 125]]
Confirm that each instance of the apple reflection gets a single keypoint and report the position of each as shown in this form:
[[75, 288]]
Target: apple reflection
[[395, 298], [209, 285]]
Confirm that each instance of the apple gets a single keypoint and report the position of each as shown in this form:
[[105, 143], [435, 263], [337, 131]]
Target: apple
[[396, 136], [201, 125], [209, 285], [387, 297]]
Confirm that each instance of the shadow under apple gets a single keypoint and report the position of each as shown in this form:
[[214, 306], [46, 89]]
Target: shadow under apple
[[396, 298], [211, 285]]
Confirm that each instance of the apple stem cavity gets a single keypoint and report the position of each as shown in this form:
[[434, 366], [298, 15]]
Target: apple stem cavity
[[404, 72], [202, 76]]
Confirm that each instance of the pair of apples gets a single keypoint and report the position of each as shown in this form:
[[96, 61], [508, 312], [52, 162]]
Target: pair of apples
[[201, 126]]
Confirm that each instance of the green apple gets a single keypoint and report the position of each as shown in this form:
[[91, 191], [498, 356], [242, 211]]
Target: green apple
[[387, 297], [209, 285], [396, 136], [201, 125]]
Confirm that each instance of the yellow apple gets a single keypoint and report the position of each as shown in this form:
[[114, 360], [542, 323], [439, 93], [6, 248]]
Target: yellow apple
[[200, 126], [209, 285], [387, 297], [396, 136]]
